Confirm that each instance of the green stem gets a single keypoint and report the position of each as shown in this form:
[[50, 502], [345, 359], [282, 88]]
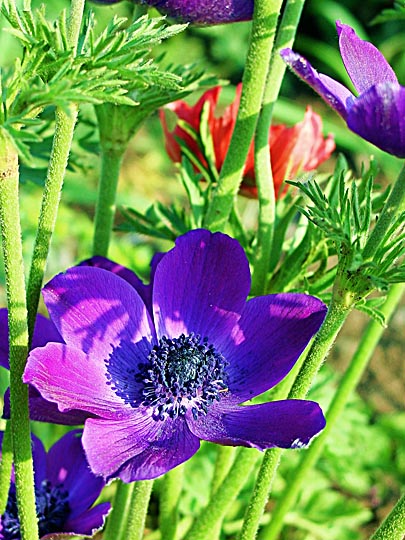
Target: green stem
[[225, 458], [393, 526], [337, 314], [117, 519], [111, 160], [220, 503], [261, 42], [64, 128], [62, 142], [138, 510], [18, 336], [263, 173], [393, 205], [351, 378], [5, 467], [172, 485]]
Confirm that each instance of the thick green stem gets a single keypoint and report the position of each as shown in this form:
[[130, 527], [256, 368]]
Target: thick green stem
[[394, 204], [351, 378], [18, 336], [220, 503], [261, 42], [139, 509], [393, 526], [225, 458], [111, 160], [5, 467], [263, 173], [172, 485], [117, 519]]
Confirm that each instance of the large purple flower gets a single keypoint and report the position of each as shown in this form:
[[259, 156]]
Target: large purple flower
[[161, 377], [65, 490], [378, 112], [200, 11]]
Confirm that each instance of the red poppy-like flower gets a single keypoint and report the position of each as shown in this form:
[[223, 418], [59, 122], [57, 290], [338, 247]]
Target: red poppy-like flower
[[294, 149]]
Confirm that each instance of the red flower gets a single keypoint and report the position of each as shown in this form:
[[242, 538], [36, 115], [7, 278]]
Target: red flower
[[292, 149]]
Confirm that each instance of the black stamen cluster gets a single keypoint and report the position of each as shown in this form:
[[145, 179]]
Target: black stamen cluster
[[184, 373]]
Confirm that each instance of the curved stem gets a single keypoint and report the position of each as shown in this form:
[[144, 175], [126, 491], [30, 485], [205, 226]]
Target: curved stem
[[139, 509], [337, 314], [219, 504], [18, 336], [62, 142], [172, 485], [393, 526], [261, 42], [350, 380], [263, 173], [64, 128]]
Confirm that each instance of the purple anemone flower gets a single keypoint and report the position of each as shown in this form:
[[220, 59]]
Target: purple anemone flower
[[40, 409], [162, 377], [200, 11], [65, 490], [377, 114]]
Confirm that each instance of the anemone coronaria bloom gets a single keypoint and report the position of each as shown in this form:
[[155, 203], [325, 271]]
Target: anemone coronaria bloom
[[65, 490], [160, 377], [294, 149], [200, 11], [377, 113]]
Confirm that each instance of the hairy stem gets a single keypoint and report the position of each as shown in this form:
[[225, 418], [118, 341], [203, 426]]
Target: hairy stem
[[351, 378], [264, 24], [18, 336], [139, 509], [263, 172], [172, 485]]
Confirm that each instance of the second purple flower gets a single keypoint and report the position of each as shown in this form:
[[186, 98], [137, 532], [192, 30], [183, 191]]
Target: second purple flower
[[161, 377]]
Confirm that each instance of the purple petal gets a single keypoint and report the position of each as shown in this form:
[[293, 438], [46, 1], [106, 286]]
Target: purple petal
[[42, 410], [378, 116], [335, 94], [269, 338], [94, 310], [87, 523], [201, 286], [39, 459], [143, 290], [286, 424], [44, 332], [73, 380], [67, 465], [4, 361], [364, 63], [137, 448]]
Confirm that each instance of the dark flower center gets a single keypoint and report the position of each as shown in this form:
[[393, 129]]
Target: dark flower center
[[52, 510], [181, 374]]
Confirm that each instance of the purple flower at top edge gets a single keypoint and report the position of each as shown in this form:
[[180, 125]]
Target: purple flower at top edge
[[377, 114], [65, 490], [160, 383], [200, 11]]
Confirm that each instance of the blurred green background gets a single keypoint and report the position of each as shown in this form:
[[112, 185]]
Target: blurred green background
[[351, 487]]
